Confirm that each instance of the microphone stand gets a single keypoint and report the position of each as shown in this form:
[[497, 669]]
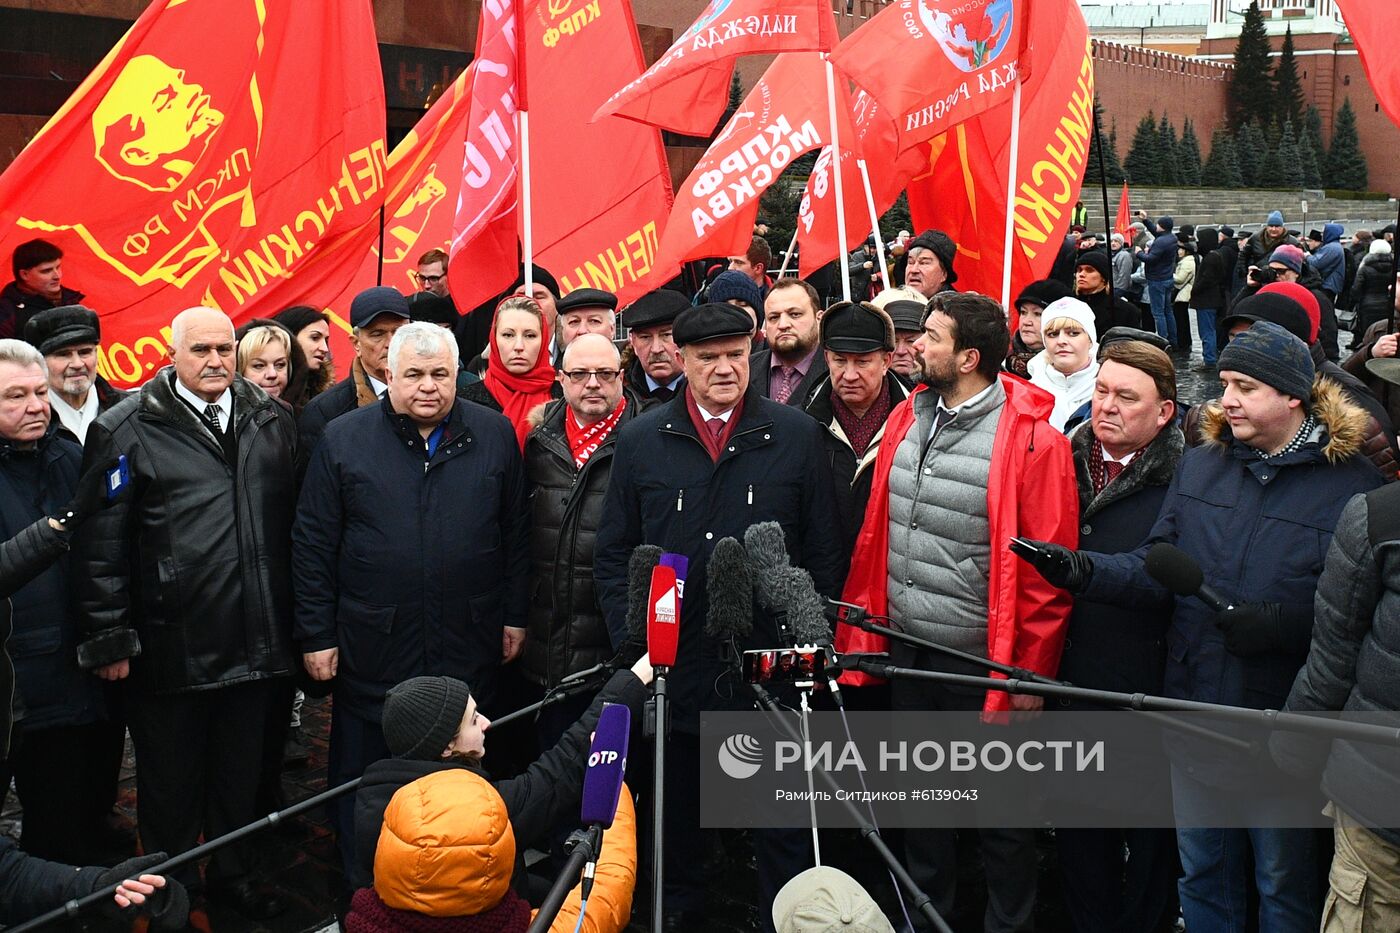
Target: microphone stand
[[1271, 719], [585, 846], [921, 901], [655, 726], [858, 617]]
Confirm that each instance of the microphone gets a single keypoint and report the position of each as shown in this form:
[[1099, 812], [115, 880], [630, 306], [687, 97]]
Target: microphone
[[729, 588], [607, 762], [806, 610], [663, 617], [766, 546], [1172, 567], [644, 558]]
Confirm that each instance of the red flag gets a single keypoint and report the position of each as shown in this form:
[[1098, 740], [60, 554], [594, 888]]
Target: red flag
[[938, 62], [871, 134], [963, 191], [687, 89], [783, 116], [1124, 220], [193, 168], [1370, 23], [484, 257], [601, 190]]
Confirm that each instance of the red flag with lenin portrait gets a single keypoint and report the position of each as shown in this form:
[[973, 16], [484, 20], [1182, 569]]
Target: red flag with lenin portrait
[[687, 90], [783, 116], [935, 63], [484, 257], [192, 166]]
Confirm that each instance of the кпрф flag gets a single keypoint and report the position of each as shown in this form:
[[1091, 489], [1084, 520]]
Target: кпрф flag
[[686, 91], [194, 166]]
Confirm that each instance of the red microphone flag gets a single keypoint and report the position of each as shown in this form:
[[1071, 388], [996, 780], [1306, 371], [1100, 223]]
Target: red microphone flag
[[687, 90], [663, 617]]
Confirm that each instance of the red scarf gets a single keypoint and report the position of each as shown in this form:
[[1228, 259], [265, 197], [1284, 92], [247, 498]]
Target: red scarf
[[369, 914], [519, 394], [583, 441]]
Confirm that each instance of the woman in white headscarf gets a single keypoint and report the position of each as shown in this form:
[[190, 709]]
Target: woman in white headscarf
[[1068, 365]]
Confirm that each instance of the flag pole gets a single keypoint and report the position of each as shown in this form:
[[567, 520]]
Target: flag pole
[[842, 259], [1103, 186], [527, 224], [379, 268], [787, 257], [874, 221], [1009, 239]]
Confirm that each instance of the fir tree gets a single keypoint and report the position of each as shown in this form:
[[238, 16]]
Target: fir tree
[[736, 90], [1312, 132], [1251, 92], [1111, 161], [1346, 166], [1289, 158], [1288, 89], [1171, 161], [1091, 166], [1309, 164], [1270, 169], [1222, 169], [1188, 156], [1144, 163], [1252, 149]]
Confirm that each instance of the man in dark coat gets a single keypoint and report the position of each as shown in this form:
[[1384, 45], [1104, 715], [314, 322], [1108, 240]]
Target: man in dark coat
[[38, 268], [654, 371], [1159, 265], [186, 590], [57, 743], [790, 367], [410, 550], [1209, 294], [713, 461], [1124, 459], [68, 337], [1255, 507], [568, 460], [853, 402]]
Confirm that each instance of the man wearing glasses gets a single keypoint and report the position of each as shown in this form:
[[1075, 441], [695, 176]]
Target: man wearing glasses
[[432, 273], [568, 461]]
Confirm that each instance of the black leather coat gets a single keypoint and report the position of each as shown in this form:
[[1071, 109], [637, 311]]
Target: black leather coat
[[195, 566]]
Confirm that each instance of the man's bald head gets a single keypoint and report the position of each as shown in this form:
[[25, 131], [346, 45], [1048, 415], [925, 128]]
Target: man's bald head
[[202, 351], [587, 360]]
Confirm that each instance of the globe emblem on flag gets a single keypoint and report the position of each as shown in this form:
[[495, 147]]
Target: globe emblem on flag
[[972, 33], [740, 756], [152, 126], [712, 13]]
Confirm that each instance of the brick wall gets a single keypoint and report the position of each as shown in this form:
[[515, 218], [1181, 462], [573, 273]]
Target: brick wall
[[1131, 81]]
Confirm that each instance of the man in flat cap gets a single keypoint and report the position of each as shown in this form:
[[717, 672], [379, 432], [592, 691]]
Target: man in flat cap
[[68, 338], [586, 311], [906, 309], [854, 402], [654, 372], [714, 460]]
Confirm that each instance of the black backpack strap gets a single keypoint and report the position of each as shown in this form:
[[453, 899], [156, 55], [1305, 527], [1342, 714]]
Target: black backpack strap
[[1383, 514]]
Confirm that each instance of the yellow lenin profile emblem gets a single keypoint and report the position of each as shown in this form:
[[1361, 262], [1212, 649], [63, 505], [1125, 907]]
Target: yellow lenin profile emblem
[[152, 126]]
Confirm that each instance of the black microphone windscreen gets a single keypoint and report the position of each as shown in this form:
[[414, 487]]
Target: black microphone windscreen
[[806, 611], [1172, 567], [766, 546], [729, 592], [644, 558]]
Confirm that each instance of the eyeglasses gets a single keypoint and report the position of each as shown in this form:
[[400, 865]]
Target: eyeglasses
[[580, 376], [428, 281]]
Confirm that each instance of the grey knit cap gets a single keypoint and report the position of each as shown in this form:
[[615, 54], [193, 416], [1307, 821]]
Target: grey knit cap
[[422, 714], [1272, 355]]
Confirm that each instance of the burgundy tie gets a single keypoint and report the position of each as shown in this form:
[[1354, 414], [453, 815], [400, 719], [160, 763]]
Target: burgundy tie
[[783, 385], [1111, 469], [716, 426]]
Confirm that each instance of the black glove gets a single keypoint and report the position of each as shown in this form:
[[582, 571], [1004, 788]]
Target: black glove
[[168, 907], [1069, 570], [1253, 629], [89, 497]]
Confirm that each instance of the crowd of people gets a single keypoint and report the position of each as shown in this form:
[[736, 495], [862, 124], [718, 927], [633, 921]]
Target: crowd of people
[[444, 533]]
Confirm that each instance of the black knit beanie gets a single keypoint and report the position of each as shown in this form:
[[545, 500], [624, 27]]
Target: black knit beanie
[[1272, 355], [422, 714]]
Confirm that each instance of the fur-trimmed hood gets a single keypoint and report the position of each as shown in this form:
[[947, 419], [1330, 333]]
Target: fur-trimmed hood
[[1344, 422]]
